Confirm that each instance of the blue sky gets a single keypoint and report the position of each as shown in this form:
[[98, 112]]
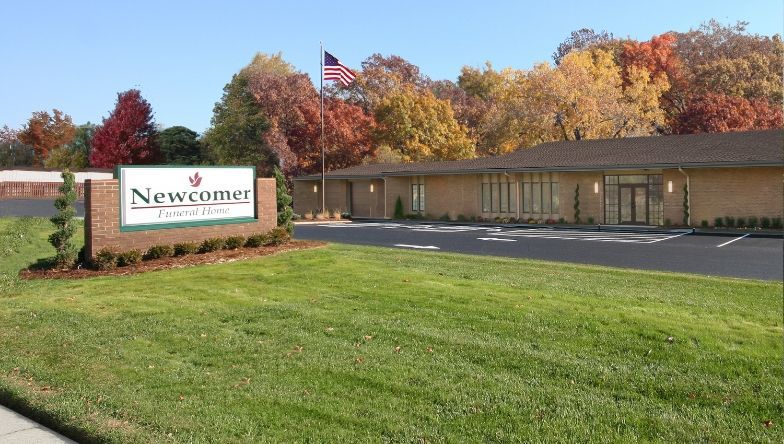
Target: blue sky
[[75, 56]]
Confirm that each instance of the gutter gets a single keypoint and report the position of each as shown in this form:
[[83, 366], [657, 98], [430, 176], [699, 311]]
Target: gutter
[[688, 195]]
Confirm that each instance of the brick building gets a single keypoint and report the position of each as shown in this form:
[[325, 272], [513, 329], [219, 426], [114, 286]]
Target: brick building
[[637, 180]]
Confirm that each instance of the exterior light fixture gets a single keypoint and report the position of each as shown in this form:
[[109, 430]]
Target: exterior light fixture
[[669, 186], [596, 187], [315, 188], [371, 187]]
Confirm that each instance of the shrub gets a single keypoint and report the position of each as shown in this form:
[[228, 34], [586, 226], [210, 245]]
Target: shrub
[[577, 204], [704, 224], [445, 217], [765, 222], [255, 240], [130, 257], [729, 221], [185, 248], [323, 215], [512, 220], [277, 236], [105, 259], [590, 220], [283, 201], [461, 218], [718, 222], [686, 208], [159, 251], [414, 216], [335, 214], [753, 222], [561, 220], [776, 223], [63, 221], [550, 221], [345, 215], [531, 220], [308, 215], [667, 222], [295, 216], [399, 208], [740, 222], [211, 244], [233, 242]]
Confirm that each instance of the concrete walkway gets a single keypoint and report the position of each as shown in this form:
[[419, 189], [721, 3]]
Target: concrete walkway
[[16, 429]]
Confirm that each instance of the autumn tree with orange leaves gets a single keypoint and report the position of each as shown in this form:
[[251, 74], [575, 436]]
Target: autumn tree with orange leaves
[[45, 132]]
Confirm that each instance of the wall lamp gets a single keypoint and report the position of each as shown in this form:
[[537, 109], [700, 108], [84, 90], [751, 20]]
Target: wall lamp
[[669, 186], [596, 187], [371, 187], [315, 188]]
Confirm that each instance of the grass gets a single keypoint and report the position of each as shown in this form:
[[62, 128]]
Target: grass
[[350, 343]]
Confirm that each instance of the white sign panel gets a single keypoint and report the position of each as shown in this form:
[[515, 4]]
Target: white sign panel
[[153, 197]]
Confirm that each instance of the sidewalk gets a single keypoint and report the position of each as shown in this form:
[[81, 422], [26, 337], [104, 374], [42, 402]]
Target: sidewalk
[[16, 429]]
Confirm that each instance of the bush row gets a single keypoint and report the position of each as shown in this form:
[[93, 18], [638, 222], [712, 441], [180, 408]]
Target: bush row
[[107, 259], [745, 222]]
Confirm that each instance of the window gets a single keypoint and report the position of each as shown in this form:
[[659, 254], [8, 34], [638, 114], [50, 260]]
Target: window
[[499, 197], [418, 197], [540, 194]]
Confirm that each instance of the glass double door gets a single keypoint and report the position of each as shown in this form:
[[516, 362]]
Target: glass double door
[[633, 206]]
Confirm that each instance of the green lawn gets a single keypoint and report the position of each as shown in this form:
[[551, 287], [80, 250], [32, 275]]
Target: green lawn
[[302, 347]]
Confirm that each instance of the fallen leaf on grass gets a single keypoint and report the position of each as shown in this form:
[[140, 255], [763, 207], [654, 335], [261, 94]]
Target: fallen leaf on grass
[[245, 381], [767, 423], [670, 339], [359, 360], [398, 349], [182, 397], [328, 329], [430, 349], [368, 337]]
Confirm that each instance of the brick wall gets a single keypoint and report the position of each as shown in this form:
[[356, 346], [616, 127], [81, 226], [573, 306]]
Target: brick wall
[[737, 192], [102, 221], [34, 190], [591, 204], [306, 200]]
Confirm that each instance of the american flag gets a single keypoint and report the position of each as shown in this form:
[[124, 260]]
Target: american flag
[[334, 70]]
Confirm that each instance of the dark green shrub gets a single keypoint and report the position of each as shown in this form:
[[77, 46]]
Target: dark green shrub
[[234, 242], [765, 222], [704, 224], [729, 221], [667, 222], [211, 244], [753, 222], [461, 218], [445, 217], [63, 221], [277, 236], [399, 208], [185, 248], [718, 222], [686, 208], [561, 220], [130, 257], [590, 220], [283, 201], [776, 223], [417, 216], [576, 204], [81, 257], [159, 251], [255, 240], [740, 222], [105, 259]]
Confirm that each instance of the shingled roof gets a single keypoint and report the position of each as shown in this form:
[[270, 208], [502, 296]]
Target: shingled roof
[[748, 148]]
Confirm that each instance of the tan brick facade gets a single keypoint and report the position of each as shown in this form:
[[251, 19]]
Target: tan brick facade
[[715, 192], [102, 221]]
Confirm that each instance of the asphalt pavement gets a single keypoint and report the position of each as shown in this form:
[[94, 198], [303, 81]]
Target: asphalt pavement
[[34, 207], [740, 256]]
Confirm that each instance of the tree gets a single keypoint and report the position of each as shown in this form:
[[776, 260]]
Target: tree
[[284, 200], [716, 113], [421, 127], [44, 132], [236, 136], [63, 221], [12, 151], [128, 135], [74, 155], [180, 145], [580, 40]]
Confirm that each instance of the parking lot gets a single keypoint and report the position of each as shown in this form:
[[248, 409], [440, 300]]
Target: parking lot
[[741, 256]]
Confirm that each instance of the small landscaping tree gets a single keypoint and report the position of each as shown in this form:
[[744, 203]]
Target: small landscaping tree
[[685, 205], [399, 209], [577, 204], [63, 221], [285, 212]]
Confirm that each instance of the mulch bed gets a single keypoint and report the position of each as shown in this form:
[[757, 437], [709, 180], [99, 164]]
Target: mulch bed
[[215, 257]]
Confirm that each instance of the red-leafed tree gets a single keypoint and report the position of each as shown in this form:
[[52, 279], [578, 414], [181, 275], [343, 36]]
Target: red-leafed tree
[[717, 113], [128, 135]]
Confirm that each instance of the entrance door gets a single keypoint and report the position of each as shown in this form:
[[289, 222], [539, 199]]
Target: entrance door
[[634, 204]]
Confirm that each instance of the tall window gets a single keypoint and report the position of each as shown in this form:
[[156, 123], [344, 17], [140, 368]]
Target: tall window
[[418, 197], [540, 193], [499, 197]]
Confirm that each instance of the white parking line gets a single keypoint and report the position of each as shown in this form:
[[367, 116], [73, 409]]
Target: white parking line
[[421, 247], [729, 242], [495, 239]]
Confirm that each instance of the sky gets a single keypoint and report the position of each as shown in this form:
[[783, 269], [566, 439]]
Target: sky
[[77, 55]]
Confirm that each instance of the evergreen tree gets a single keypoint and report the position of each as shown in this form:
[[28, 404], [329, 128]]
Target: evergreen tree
[[63, 220], [284, 200]]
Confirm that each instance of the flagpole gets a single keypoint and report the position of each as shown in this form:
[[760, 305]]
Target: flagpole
[[323, 168]]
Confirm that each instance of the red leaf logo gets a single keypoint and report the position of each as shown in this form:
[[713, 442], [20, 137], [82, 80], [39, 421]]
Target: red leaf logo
[[195, 180]]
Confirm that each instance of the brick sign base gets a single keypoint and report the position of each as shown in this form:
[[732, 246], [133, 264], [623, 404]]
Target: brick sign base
[[102, 221]]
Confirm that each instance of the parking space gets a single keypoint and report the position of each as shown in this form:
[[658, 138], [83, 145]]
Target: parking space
[[732, 256]]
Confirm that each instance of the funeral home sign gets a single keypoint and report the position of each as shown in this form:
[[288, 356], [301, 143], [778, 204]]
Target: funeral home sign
[[156, 197]]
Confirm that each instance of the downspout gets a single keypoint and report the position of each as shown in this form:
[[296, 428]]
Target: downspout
[[688, 195]]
